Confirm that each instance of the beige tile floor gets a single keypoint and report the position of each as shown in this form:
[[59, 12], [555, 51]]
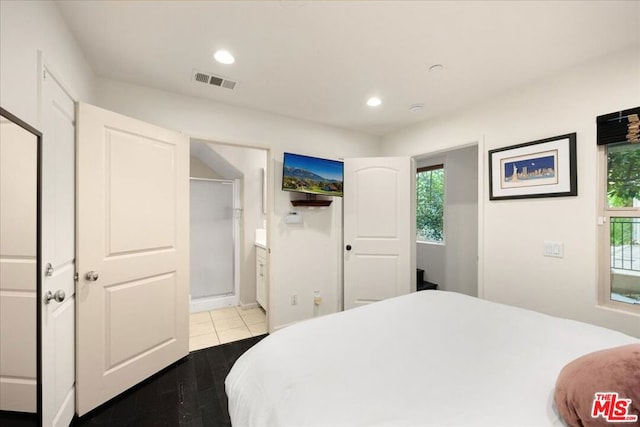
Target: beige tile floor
[[209, 328]]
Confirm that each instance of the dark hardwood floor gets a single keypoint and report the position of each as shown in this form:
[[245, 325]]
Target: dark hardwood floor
[[18, 419], [189, 393]]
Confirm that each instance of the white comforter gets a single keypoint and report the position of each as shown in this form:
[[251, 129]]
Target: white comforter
[[430, 358]]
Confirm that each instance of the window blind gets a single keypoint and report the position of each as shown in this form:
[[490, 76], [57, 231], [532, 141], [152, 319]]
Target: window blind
[[430, 168], [621, 126]]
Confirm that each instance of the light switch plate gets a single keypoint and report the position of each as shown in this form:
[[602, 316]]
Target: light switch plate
[[553, 249]]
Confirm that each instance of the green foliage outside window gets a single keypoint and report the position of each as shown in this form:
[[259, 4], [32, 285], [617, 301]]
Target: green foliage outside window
[[623, 186], [430, 205], [623, 173]]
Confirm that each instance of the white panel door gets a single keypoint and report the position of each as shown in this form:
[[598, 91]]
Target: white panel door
[[132, 253], [379, 229], [18, 267], [58, 254]]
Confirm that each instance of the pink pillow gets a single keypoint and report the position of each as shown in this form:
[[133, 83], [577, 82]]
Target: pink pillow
[[601, 388]]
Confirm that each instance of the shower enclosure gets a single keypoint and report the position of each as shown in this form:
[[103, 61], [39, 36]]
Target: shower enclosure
[[214, 228]]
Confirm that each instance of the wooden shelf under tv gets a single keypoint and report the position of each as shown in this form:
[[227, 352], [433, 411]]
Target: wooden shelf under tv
[[311, 202]]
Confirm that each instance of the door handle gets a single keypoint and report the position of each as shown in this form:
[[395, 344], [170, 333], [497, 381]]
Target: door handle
[[91, 276], [348, 247], [58, 296]]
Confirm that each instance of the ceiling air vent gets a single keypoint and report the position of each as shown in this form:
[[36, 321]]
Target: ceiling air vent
[[228, 84], [213, 80], [201, 77]]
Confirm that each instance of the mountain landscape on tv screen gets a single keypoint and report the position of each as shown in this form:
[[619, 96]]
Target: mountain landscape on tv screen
[[298, 179]]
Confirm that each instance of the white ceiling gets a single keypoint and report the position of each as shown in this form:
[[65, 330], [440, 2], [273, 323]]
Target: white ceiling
[[321, 60]]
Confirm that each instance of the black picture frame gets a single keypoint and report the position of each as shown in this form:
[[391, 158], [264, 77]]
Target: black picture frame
[[542, 168]]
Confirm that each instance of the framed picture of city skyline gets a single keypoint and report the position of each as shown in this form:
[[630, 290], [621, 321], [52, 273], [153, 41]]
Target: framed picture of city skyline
[[543, 168]]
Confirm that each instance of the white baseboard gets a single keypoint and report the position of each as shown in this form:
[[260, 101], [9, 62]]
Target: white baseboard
[[213, 303], [248, 306]]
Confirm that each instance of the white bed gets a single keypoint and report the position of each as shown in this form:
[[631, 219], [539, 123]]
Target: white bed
[[430, 358]]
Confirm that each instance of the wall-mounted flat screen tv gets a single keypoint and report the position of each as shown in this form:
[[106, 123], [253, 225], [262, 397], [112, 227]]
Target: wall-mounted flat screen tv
[[312, 175]]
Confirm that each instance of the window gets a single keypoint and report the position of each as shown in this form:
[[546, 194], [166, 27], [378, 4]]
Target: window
[[430, 204], [620, 229]]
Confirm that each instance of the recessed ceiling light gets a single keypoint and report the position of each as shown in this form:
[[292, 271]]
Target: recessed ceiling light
[[416, 108], [374, 101], [224, 57]]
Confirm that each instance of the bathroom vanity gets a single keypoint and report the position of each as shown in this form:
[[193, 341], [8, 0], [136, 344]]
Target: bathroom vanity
[[262, 268]]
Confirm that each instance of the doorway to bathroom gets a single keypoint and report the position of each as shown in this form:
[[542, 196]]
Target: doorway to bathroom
[[242, 314]]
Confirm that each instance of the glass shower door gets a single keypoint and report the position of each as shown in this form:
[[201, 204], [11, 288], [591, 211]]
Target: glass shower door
[[212, 239]]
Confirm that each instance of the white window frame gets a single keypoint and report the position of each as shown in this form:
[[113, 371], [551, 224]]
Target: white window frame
[[605, 213]]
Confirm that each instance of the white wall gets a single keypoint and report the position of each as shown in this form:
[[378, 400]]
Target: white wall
[[197, 169], [461, 221], [303, 257], [512, 233], [453, 265], [27, 27]]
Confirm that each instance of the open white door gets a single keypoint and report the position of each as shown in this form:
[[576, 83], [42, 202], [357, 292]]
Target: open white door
[[58, 254], [379, 229], [132, 253], [18, 264]]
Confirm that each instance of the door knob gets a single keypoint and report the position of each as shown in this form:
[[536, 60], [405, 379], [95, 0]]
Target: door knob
[[58, 296], [91, 276], [348, 247]]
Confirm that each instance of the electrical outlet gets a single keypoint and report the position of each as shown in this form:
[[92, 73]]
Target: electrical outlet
[[294, 299]]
